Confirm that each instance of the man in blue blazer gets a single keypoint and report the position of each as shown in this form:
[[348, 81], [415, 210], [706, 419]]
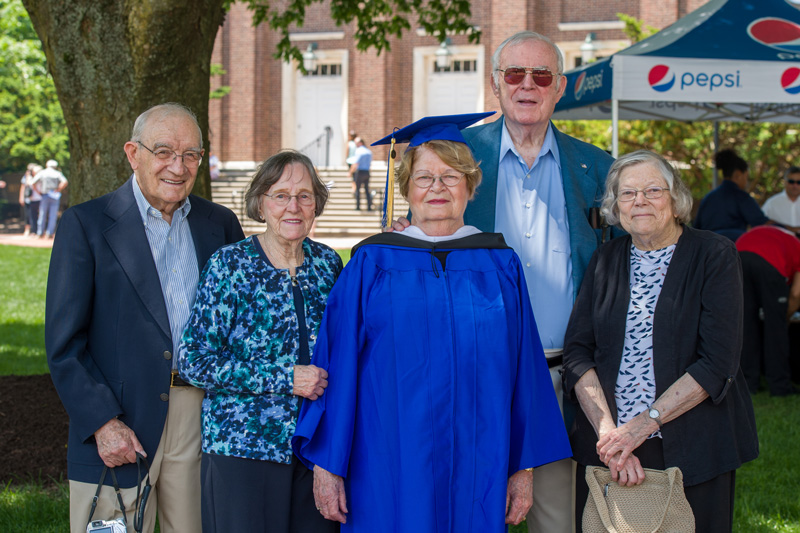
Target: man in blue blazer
[[538, 187], [123, 275]]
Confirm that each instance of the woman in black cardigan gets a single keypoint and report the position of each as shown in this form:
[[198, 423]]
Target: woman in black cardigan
[[652, 347]]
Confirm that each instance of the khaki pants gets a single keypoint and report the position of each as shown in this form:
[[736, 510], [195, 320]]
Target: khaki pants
[[553, 486], [174, 475]]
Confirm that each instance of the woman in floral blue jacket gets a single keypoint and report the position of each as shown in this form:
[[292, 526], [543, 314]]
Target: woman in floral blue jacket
[[248, 345]]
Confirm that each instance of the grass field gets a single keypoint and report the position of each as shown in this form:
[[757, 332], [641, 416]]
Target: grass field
[[767, 489], [22, 290]]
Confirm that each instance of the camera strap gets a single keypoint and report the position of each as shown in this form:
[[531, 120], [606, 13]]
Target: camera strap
[[141, 502], [116, 489]]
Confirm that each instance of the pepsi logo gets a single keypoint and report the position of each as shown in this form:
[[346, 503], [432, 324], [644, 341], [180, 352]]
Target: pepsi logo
[[587, 84], [790, 80], [579, 90], [661, 78], [794, 3], [776, 33]]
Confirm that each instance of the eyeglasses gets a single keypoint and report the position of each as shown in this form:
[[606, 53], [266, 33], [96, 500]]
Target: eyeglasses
[[542, 76], [282, 199], [190, 159], [425, 180], [793, 182], [651, 193]]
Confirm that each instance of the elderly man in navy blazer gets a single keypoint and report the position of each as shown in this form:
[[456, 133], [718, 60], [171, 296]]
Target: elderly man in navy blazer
[[122, 281]]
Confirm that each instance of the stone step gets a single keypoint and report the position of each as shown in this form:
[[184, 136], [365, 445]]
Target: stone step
[[339, 219]]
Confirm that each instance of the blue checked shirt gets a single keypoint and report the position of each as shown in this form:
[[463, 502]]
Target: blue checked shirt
[[176, 261]]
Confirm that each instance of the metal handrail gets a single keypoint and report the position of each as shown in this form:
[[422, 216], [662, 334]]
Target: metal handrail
[[313, 154]]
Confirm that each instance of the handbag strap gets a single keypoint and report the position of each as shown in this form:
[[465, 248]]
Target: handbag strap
[[599, 497], [141, 503], [671, 474], [116, 489]]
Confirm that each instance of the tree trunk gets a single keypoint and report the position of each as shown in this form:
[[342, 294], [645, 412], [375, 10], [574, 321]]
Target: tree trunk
[[112, 59]]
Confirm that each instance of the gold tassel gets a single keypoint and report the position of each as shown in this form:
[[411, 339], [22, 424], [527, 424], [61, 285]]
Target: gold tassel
[[388, 196]]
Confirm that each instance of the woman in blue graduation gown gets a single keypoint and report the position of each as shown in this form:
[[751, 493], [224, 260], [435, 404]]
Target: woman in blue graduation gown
[[439, 400]]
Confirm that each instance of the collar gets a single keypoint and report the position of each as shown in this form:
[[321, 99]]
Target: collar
[[548, 146], [145, 209]]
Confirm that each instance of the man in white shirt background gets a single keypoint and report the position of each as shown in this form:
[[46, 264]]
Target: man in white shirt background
[[784, 207]]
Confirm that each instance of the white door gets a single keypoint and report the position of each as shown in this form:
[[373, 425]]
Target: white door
[[454, 90], [320, 97]]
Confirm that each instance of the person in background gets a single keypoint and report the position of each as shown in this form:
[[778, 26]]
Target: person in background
[[729, 210], [213, 165], [783, 208], [771, 273], [360, 172], [350, 154], [30, 199], [49, 183], [248, 345], [539, 186], [122, 281], [440, 400], [653, 344]]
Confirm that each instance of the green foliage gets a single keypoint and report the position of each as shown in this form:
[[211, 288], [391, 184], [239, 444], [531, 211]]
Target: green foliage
[[375, 20], [32, 127], [769, 148], [22, 296], [636, 29], [219, 92]]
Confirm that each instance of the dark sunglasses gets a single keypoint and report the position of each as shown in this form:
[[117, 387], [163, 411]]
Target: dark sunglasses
[[542, 76], [793, 182]]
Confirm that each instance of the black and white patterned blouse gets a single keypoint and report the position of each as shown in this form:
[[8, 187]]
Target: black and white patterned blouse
[[636, 383]]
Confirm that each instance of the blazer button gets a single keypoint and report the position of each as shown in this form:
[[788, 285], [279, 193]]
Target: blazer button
[[167, 355], [164, 397]]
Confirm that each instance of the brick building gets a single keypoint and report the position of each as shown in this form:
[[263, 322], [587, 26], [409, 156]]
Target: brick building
[[272, 106]]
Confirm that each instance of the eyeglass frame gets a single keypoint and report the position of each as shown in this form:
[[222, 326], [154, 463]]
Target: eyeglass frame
[[174, 154], [636, 192], [434, 177], [532, 71], [295, 196]]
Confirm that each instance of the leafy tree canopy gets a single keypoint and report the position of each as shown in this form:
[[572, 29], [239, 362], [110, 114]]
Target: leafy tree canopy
[[32, 127], [111, 59]]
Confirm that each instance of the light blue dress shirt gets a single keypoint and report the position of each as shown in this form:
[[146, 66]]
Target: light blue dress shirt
[[532, 216], [176, 261]]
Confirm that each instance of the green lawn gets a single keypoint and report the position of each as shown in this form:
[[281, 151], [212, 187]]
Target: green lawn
[[24, 275], [767, 489]]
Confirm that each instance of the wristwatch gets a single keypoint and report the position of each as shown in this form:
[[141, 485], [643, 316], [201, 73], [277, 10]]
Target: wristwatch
[[653, 413]]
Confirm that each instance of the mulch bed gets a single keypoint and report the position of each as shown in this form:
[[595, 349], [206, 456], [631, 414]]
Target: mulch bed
[[33, 431]]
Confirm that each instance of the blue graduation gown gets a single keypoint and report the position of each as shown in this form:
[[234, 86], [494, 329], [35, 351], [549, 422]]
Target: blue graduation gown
[[439, 389]]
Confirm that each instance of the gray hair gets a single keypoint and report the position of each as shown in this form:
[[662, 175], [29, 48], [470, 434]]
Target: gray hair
[[521, 38], [161, 111], [678, 191], [271, 171]]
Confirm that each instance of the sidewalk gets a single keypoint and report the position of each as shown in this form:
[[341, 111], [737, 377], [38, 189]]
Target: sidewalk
[[11, 233]]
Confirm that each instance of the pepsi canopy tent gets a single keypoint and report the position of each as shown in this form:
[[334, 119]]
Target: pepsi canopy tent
[[734, 60]]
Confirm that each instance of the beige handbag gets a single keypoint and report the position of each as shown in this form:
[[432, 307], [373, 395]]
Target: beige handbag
[[658, 505]]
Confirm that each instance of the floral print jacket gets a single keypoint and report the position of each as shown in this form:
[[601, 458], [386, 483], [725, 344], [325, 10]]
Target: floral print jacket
[[242, 341]]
